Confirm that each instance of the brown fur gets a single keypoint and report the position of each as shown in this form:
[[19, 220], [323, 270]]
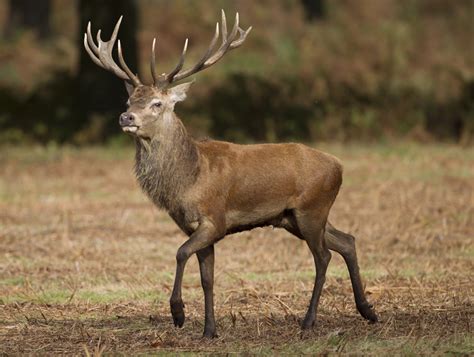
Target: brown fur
[[165, 169]]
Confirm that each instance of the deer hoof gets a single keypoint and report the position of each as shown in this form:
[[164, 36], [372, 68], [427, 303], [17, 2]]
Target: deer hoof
[[308, 324], [178, 319], [177, 312], [367, 312], [209, 334]]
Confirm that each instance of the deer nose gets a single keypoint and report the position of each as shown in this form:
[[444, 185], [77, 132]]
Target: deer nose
[[126, 119]]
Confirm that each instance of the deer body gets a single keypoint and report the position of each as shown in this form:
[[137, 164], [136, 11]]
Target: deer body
[[237, 186], [214, 188]]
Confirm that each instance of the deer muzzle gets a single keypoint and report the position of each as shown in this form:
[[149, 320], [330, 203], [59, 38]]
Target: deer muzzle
[[127, 122]]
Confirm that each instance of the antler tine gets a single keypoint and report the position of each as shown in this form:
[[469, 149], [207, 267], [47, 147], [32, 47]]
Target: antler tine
[[224, 26], [207, 54], [241, 39], [234, 29], [101, 54], [127, 70], [98, 38], [91, 54], [153, 63], [89, 38], [116, 30], [169, 77]]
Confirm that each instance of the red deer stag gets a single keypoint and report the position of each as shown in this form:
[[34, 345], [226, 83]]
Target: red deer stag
[[215, 188]]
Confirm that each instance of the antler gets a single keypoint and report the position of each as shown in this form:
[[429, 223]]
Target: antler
[[101, 54], [208, 59]]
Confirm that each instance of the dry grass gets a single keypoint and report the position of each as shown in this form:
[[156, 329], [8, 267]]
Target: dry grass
[[86, 262]]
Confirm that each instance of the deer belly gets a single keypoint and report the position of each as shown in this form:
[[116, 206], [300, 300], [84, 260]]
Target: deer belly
[[257, 217]]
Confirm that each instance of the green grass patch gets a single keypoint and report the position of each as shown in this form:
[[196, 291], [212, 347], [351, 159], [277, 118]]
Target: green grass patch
[[96, 296], [14, 281], [457, 344]]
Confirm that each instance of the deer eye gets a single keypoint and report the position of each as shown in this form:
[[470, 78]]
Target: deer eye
[[156, 105]]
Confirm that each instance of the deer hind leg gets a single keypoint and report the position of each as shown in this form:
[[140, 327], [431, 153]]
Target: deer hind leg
[[311, 227], [344, 244]]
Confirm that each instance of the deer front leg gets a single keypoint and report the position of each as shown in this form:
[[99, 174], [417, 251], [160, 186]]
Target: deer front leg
[[206, 266], [204, 236]]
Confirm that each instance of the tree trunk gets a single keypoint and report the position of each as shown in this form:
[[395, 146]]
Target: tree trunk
[[29, 14], [314, 9]]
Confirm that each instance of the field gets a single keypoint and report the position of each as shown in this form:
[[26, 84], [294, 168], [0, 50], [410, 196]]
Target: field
[[87, 263]]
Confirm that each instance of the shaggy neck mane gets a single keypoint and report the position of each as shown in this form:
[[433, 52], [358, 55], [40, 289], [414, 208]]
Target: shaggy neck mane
[[165, 167]]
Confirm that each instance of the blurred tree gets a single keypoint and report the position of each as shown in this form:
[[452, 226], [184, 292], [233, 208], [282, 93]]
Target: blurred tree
[[31, 14], [370, 69], [101, 95], [314, 9], [266, 111]]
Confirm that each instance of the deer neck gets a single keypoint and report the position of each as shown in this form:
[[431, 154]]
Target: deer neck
[[167, 165]]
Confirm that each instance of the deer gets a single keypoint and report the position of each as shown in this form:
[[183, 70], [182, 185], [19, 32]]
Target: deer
[[212, 188]]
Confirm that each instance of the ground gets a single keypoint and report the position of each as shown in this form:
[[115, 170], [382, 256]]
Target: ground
[[87, 263]]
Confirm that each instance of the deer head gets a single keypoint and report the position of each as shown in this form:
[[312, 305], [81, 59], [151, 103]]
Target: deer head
[[151, 107]]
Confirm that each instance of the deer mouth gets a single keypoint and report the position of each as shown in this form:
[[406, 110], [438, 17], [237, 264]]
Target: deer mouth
[[130, 128]]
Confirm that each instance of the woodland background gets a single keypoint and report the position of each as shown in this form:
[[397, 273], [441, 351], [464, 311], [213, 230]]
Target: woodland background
[[341, 70]]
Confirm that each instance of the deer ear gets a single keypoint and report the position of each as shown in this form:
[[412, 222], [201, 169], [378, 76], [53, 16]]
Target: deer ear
[[130, 88], [178, 93]]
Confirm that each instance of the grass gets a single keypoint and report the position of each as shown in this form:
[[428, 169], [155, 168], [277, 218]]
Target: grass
[[87, 263]]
